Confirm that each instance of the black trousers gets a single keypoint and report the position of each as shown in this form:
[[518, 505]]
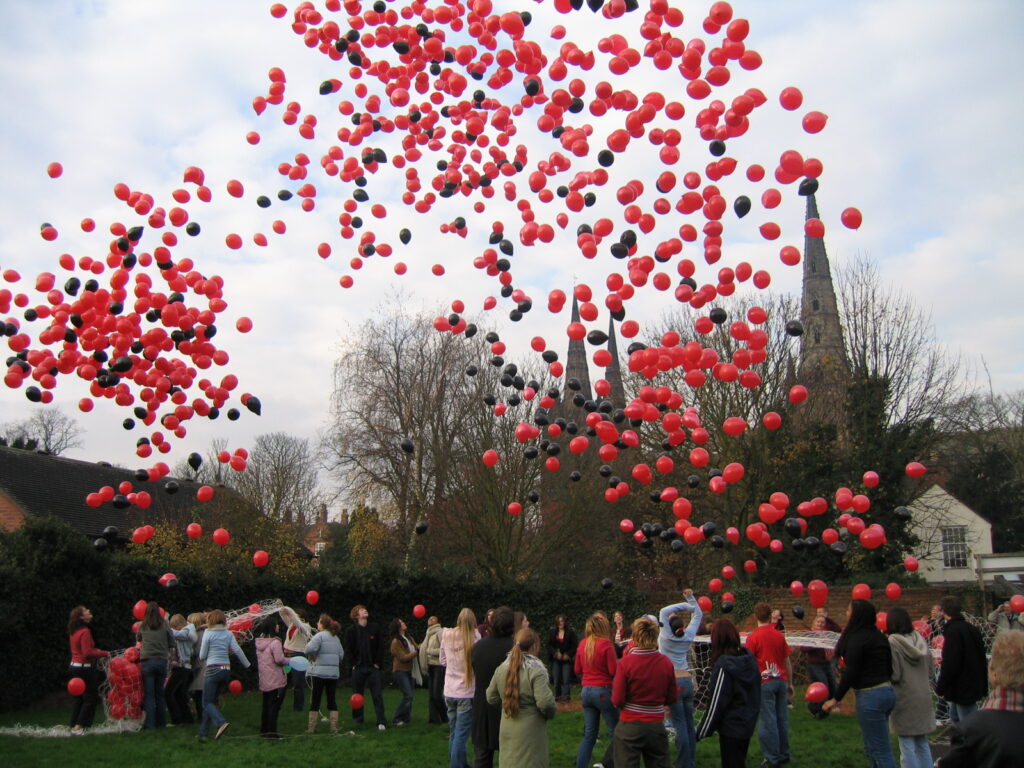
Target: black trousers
[[435, 687], [321, 684], [176, 694], [361, 677], [272, 701], [635, 740], [733, 751], [84, 709]]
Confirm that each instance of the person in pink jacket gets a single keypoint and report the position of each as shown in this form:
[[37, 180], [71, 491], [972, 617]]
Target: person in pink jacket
[[270, 662]]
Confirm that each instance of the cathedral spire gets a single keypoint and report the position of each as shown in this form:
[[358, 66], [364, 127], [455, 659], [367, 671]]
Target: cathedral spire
[[613, 373], [822, 345], [576, 361]]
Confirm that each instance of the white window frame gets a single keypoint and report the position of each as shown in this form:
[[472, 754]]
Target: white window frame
[[955, 552]]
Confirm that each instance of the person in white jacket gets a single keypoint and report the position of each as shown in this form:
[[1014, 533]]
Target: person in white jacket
[[296, 636]]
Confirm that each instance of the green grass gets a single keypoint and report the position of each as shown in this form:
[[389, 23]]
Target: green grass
[[832, 742]]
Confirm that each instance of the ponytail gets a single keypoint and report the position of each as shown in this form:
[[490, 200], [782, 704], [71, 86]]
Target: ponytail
[[526, 640]]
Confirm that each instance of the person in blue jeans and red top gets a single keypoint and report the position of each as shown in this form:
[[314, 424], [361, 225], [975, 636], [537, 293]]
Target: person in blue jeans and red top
[[595, 666], [680, 623], [771, 650], [867, 668]]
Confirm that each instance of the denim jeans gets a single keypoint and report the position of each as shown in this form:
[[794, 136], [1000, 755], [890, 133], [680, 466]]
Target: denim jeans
[[773, 722], [360, 677], [404, 682], [561, 673], [154, 673], [682, 720], [214, 682], [958, 712], [874, 705], [821, 673], [915, 752], [597, 703], [460, 718]]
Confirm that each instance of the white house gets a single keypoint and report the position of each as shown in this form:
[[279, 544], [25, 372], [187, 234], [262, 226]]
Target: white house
[[951, 534]]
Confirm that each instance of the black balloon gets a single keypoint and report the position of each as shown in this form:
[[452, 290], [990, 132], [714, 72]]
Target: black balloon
[[405, 236], [100, 544], [253, 404], [171, 486], [741, 205], [110, 533], [795, 328], [421, 527], [606, 583], [195, 461], [408, 446], [798, 611], [727, 606], [121, 501]]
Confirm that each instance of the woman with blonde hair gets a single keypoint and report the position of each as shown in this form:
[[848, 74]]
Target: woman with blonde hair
[[195, 688], [457, 660], [993, 736], [520, 687], [645, 683], [595, 666]]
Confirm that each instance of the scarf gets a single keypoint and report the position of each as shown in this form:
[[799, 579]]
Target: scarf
[[1005, 700]]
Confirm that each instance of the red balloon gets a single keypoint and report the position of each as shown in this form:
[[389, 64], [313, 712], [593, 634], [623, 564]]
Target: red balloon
[[54, 170], [881, 621], [194, 530], [705, 603], [771, 420], [221, 537], [861, 592], [915, 469], [76, 686], [851, 218], [796, 588], [816, 693], [139, 609], [750, 566], [356, 701], [870, 479], [715, 585], [419, 611], [830, 536], [893, 591], [817, 592], [1017, 603], [814, 122], [235, 686], [626, 526], [797, 393], [260, 558], [205, 493], [791, 98], [490, 457], [910, 563], [312, 597]]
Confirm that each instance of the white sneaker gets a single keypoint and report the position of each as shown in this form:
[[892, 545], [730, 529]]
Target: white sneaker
[[381, 727]]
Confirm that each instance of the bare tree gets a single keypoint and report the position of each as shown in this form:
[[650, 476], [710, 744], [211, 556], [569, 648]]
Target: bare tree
[[890, 339], [280, 478], [51, 429]]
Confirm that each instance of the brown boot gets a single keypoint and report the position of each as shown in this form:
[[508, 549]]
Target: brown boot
[[313, 718], [334, 721]]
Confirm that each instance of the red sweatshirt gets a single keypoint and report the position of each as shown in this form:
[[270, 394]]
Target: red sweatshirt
[[599, 672], [644, 683], [83, 650]]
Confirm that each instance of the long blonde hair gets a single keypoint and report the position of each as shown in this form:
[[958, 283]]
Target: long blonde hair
[[597, 627], [526, 641], [465, 627]]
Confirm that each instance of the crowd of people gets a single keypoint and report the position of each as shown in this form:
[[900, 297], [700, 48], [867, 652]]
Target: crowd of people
[[488, 683]]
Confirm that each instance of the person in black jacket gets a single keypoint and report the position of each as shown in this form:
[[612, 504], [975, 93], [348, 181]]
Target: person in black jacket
[[363, 647], [488, 654], [993, 737], [735, 692], [868, 658], [562, 644], [963, 672]]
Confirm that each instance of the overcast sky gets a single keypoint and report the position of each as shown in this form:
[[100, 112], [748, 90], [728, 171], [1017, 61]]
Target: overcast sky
[[924, 105]]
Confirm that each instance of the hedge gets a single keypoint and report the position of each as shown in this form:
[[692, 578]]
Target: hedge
[[46, 568]]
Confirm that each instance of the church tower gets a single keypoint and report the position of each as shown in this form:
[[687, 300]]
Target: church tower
[[576, 360], [821, 347]]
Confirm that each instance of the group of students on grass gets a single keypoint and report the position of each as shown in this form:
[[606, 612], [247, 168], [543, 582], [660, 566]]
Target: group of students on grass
[[487, 682]]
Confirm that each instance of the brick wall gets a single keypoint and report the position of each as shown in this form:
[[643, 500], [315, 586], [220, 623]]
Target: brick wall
[[11, 515]]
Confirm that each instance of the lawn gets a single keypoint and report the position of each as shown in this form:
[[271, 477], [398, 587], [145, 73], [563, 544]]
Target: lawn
[[834, 742]]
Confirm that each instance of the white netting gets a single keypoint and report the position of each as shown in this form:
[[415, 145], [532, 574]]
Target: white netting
[[800, 641]]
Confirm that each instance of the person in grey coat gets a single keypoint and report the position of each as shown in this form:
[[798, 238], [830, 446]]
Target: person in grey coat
[[325, 653], [913, 717]]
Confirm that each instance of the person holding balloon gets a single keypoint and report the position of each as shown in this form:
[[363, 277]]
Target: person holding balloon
[[867, 657], [735, 692], [217, 645], [913, 718], [325, 653], [271, 664], [296, 637], [680, 623], [84, 657]]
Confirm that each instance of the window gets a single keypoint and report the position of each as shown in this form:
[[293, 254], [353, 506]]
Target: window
[[954, 546], [814, 265], [814, 305], [319, 547]]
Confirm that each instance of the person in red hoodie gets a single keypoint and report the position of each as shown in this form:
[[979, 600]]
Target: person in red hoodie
[[645, 683], [595, 666], [84, 655]]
